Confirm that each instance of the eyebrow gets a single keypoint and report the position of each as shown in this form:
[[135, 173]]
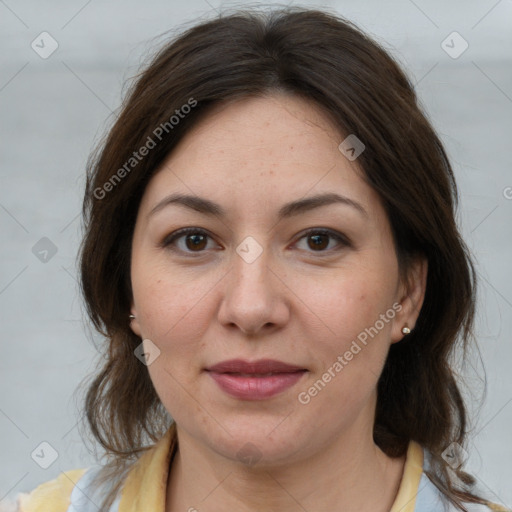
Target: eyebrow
[[207, 207]]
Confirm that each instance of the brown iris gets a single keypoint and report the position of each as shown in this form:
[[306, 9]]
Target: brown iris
[[197, 240], [318, 242]]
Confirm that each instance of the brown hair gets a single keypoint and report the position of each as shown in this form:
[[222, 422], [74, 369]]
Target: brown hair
[[349, 76]]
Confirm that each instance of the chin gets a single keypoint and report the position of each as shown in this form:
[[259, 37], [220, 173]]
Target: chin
[[253, 447]]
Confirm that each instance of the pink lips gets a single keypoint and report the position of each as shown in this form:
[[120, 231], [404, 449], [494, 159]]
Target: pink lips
[[255, 380]]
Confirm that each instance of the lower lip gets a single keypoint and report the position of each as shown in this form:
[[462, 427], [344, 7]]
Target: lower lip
[[255, 388]]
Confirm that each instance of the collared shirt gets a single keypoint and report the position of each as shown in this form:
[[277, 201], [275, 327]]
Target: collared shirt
[[144, 489]]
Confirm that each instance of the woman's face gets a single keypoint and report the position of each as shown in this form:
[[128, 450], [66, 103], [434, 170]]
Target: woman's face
[[250, 283]]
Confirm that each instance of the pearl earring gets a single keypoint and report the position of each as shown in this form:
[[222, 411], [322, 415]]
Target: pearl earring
[[406, 330], [132, 317]]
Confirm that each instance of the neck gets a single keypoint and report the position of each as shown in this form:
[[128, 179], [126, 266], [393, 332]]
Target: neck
[[336, 478]]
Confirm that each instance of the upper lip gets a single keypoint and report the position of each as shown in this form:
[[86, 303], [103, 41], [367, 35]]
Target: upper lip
[[259, 366]]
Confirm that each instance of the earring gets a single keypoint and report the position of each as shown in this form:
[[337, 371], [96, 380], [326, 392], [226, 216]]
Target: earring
[[132, 317], [406, 330]]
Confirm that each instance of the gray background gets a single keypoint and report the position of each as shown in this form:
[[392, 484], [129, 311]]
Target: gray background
[[52, 112]]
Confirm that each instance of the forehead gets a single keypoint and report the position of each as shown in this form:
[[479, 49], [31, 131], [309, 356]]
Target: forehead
[[260, 151]]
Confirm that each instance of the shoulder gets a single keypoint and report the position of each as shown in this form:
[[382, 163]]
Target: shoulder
[[53, 495], [430, 498], [497, 508], [489, 507]]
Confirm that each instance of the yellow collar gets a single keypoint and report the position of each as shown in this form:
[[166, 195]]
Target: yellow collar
[[405, 500], [146, 484]]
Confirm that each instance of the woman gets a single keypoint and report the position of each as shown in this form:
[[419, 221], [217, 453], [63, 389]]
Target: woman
[[272, 255]]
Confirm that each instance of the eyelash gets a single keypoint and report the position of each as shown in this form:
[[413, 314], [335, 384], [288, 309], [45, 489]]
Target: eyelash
[[170, 239]]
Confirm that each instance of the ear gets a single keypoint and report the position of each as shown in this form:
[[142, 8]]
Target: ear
[[411, 294], [134, 322]]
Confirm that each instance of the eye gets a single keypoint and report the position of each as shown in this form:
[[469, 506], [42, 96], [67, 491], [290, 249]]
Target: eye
[[318, 240], [193, 240]]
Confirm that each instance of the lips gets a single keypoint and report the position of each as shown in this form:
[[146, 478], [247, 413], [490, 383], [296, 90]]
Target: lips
[[261, 367], [258, 380]]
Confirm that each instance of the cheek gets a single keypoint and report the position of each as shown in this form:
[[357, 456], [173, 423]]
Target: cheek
[[170, 308], [347, 303], [174, 317], [345, 311], [350, 354]]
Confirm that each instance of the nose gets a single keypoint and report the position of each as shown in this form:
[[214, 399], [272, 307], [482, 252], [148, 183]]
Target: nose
[[255, 299]]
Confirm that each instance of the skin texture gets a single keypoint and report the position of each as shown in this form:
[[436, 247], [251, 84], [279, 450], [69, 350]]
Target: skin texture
[[294, 303]]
